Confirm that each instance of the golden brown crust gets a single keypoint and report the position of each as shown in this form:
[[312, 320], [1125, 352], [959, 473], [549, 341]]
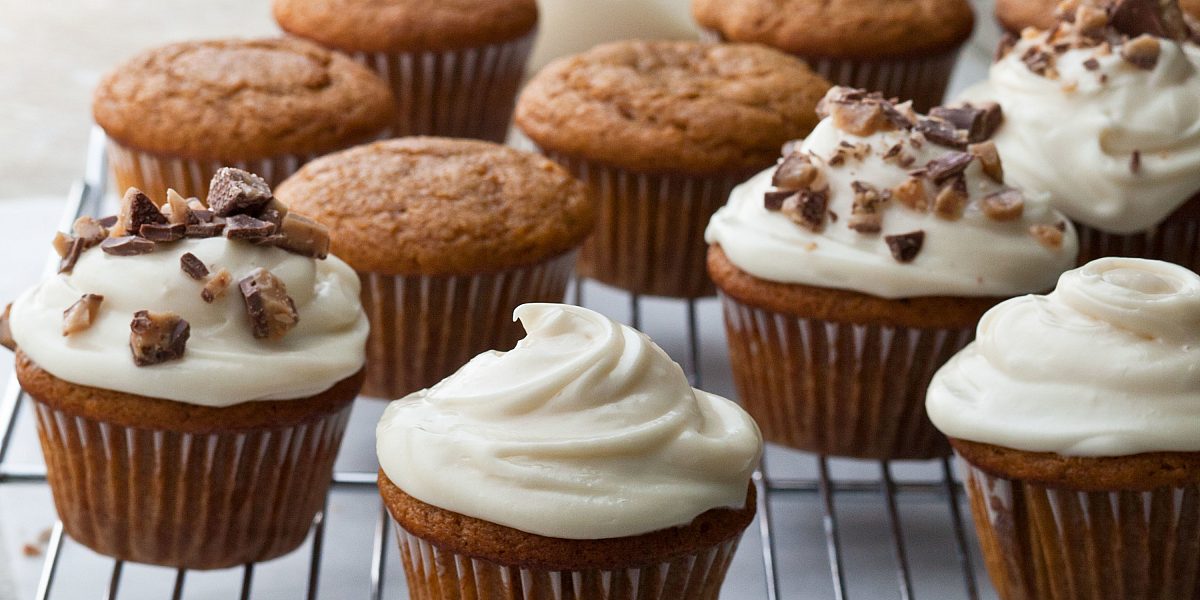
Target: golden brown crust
[[406, 25], [475, 537], [844, 306], [1138, 472], [842, 28], [241, 100], [653, 107], [130, 410], [437, 206], [1015, 15]]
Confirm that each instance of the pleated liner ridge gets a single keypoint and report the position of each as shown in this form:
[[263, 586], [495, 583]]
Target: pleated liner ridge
[[468, 92], [649, 236], [1042, 543], [188, 500], [423, 328], [838, 388], [437, 574], [1176, 240]]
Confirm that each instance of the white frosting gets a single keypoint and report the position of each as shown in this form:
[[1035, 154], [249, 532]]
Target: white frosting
[[974, 256], [586, 430], [1074, 137], [223, 363], [1106, 365], [569, 26]]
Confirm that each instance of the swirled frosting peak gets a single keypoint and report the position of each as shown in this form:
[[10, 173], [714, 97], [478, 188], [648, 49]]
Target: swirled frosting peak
[[1106, 365], [585, 430]]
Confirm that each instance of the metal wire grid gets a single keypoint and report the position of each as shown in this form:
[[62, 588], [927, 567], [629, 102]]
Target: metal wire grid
[[87, 197]]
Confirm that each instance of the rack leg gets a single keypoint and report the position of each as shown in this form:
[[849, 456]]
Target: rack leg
[[635, 311], [903, 573], [318, 545], [578, 287], [833, 542], [247, 581], [694, 341], [960, 534], [762, 486], [114, 583], [177, 591], [50, 567], [379, 553], [10, 408]]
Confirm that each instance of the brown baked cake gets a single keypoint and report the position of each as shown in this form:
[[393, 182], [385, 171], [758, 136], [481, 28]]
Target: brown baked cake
[[661, 132], [448, 236], [903, 48], [176, 113], [454, 67]]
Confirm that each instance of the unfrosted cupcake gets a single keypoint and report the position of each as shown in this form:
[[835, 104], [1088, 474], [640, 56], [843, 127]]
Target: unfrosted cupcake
[[448, 236], [661, 132], [1078, 417], [177, 113], [1101, 114], [579, 465], [860, 263], [903, 48], [191, 390], [454, 67]]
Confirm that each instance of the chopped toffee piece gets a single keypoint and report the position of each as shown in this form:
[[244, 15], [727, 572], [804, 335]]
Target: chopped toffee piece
[[773, 199], [67, 264], [6, 338], [1135, 162], [136, 210], [980, 122], [127, 245], [176, 209], [950, 164], [245, 227], [80, 316], [905, 246], [216, 285], [951, 199], [1050, 236], [807, 209], [989, 159], [157, 337], [1159, 18], [865, 215], [304, 236], [859, 118], [89, 230], [1141, 52], [795, 172], [234, 192], [62, 243], [272, 312], [162, 233], [911, 193], [1090, 20], [942, 133], [193, 267], [1005, 205]]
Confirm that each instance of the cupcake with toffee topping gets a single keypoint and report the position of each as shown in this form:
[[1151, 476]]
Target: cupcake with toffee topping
[[192, 370], [855, 267]]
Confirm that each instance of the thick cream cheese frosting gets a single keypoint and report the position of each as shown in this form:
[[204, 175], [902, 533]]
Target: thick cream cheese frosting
[[972, 256], [1074, 136], [585, 430], [1106, 365], [223, 363]]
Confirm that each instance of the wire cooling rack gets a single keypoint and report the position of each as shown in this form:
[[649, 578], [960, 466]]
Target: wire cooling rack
[[822, 487]]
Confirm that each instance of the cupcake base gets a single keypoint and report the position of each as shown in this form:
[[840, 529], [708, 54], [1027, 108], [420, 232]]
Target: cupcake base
[[1176, 240], [166, 483]]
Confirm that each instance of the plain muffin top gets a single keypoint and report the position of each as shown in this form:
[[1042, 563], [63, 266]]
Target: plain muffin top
[[841, 28], [406, 25], [438, 206], [241, 100], [672, 106]]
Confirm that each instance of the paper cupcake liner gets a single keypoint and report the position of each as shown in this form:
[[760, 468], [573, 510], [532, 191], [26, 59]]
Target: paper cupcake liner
[[434, 573], [196, 501], [154, 173], [840, 389], [423, 328], [468, 93], [1044, 543], [649, 236], [1176, 240], [922, 79]]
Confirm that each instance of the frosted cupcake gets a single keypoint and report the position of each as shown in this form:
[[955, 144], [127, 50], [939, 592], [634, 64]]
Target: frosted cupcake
[[1101, 114], [1078, 417], [579, 465], [860, 263], [192, 371]]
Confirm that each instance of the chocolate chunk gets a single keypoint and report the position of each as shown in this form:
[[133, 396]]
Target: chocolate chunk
[[911, 193], [304, 236], [865, 215], [1135, 162], [1040, 62], [989, 159], [1005, 205], [200, 216], [237, 192], [205, 230], [1141, 52], [942, 133], [157, 337], [1050, 236], [176, 209], [773, 199], [127, 245], [1091, 64], [905, 246], [950, 164], [807, 209], [272, 312], [951, 199], [245, 227], [61, 243], [162, 233], [795, 172], [74, 251], [1007, 42], [136, 210], [216, 285], [193, 267], [80, 316], [895, 116], [108, 222], [1159, 18], [6, 338], [980, 122], [90, 231]]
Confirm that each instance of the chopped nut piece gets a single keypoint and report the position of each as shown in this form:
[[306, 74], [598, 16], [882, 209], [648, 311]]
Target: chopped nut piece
[[127, 246], [951, 199], [177, 210], [80, 316], [773, 199], [304, 236], [195, 204], [905, 246], [136, 210], [1142, 52], [162, 233], [89, 230], [865, 215], [911, 193], [62, 243], [193, 267], [157, 337], [1049, 235], [234, 191], [942, 133], [980, 122], [989, 159], [1158, 18], [74, 251], [216, 285], [245, 227], [796, 172], [1135, 162], [272, 312], [1005, 205], [807, 209], [6, 338], [950, 164]]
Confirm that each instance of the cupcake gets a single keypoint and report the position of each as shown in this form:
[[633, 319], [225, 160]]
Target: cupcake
[[1076, 415], [1015, 15], [661, 132], [860, 263], [903, 48], [176, 114], [192, 372], [1101, 113], [570, 26], [579, 465], [448, 237], [454, 67]]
